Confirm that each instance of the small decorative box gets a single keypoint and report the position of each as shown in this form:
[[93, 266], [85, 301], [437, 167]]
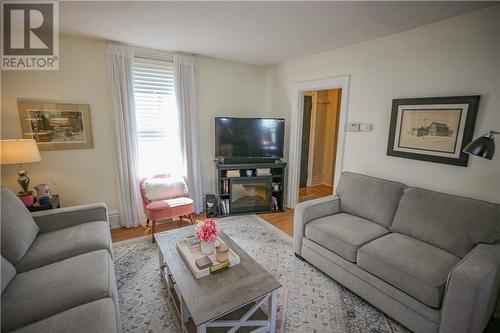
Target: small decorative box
[[222, 253]]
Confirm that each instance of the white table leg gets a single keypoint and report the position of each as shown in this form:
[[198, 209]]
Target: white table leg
[[271, 312], [201, 329]]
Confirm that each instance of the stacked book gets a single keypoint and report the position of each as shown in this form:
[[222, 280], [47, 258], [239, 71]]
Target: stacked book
[[233, 173], [263, 171], [224, 206]]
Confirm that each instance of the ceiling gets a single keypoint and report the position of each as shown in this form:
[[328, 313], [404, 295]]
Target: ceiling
[[259, 33]]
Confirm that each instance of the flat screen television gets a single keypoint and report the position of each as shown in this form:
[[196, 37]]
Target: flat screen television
[[249, 137]]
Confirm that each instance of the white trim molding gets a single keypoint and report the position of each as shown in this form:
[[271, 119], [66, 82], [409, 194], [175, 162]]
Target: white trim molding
[[298, 89], [114, 219]]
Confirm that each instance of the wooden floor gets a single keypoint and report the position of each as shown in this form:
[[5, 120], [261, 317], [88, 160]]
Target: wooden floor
[[121, 234], [317, 191], [283, 221]]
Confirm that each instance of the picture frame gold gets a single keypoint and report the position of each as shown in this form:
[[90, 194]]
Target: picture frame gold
[[56, 126]]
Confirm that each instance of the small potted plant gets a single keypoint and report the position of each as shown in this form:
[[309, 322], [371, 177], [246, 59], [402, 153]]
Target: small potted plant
[[27, 198], [207, 232]]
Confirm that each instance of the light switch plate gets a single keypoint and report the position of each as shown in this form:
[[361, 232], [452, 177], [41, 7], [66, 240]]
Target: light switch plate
[[352, 127], [365, 127]]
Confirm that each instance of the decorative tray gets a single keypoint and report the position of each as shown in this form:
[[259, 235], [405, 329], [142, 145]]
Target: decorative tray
[[191, 254]]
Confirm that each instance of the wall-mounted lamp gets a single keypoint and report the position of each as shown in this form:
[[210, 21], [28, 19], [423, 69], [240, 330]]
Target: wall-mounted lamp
[[484, 146]]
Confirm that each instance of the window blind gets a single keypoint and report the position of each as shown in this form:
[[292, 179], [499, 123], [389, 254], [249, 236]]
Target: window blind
[[156, 116], [154, 90]]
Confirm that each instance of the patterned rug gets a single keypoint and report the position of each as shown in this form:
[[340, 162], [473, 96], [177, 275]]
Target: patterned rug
[[314, 302]]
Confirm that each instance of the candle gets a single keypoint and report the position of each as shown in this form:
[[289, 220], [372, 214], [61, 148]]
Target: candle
[[222, 253]]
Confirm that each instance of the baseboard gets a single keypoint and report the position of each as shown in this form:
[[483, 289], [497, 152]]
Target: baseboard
[[114, 219], [317, 180]]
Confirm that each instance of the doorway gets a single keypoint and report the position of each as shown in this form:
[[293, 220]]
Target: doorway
[[295, 149], [320, 123]]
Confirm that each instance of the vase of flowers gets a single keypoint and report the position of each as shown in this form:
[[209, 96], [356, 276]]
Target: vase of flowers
[[207, 232]]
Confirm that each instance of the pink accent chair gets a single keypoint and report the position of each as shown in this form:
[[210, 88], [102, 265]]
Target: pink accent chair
[[169, 203]]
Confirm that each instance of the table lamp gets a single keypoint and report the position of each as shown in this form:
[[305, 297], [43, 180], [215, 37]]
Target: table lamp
[[484, 146], [19, 151]]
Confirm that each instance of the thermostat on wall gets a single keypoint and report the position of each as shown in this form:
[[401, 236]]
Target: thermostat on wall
[[365, 127], [352, 127]]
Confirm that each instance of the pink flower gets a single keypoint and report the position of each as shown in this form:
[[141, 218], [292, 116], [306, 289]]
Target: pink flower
[[207, 231]]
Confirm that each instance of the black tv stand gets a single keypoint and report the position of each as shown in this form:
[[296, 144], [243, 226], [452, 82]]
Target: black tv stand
[[241, 189], [246, 160]]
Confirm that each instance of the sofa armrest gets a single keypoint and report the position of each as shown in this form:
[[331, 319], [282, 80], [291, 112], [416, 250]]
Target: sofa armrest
[[472, 291], [54, 219], [308, 211]]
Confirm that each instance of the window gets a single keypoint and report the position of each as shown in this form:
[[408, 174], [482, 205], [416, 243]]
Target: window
[[156, 116]]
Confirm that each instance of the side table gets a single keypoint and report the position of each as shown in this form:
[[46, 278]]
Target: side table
[[54, 203]]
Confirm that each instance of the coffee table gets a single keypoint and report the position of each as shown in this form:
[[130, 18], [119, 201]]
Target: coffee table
[[226, 301]]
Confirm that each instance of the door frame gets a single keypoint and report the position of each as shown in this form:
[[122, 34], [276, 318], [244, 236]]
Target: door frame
[[297, 114], [311, 137]]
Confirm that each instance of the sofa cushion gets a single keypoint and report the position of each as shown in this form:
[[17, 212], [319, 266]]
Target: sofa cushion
[[8, 272], [49, 290], [343, 233], [98, 316], [371, 198], [452, 223], [61, 244], [18, 228], [410, 265], [169, 203]]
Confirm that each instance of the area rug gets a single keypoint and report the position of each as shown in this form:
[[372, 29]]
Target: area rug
[[314, 302]]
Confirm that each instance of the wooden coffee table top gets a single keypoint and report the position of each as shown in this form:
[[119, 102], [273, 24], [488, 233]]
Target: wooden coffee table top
[[212, 296]]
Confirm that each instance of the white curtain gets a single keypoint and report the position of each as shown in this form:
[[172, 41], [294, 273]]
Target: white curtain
[[185, 90], [120, 76]]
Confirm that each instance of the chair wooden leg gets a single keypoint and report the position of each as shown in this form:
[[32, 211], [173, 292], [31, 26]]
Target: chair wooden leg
[[153, 223], [191, 218], [147, 222]]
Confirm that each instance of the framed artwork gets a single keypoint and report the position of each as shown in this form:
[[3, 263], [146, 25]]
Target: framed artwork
[[433, 129], [56, 126]]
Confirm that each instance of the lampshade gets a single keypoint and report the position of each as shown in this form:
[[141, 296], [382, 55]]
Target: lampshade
[[484, 146], [19, 151]]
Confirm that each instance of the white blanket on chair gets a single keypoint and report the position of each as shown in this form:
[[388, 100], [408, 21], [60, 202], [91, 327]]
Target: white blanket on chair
[[165, 188]]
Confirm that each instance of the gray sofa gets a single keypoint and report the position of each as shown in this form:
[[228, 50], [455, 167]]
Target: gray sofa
[[427, 259], [57, 270]]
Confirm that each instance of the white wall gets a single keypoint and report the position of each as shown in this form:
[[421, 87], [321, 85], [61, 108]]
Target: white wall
[[79, 176], [453, 57], [458, 56], [85, 176]]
